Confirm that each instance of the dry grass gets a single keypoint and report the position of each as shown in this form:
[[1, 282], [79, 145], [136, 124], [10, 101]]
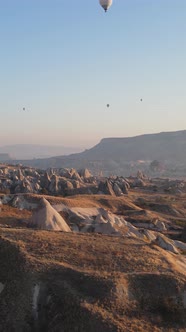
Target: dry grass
[[13, 217], [113, 203], [94, 282], [100, 275]]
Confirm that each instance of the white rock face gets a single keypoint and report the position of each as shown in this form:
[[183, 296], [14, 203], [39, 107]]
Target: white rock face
[[99, 220], [151, 236], [83, 213], [110, 224], [106, 228], [166, 244], [133, 231], [47, 218]]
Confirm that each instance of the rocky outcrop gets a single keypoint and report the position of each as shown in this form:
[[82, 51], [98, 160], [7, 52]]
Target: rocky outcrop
[[47, 218], [114, 187], [105, 188], [85, 173], [166, 244]]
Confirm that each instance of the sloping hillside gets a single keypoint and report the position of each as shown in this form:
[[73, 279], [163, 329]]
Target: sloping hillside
[[112, 154], [77, 282], [122, 268], [162, 146]]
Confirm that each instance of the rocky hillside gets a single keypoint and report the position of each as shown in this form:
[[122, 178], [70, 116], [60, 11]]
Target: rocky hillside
[[75, 260], [163, 146], [69, 282], [115, 155]]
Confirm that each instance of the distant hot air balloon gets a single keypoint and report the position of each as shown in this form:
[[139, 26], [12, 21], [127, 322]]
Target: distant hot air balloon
[[108, 105], [105, 4]]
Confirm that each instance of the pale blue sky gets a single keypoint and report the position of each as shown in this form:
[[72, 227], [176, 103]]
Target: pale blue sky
[[65, 60]]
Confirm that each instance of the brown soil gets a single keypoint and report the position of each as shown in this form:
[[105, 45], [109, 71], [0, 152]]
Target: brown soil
[[91, 282]]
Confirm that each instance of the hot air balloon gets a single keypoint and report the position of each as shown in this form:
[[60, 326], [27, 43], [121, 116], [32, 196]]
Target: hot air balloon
[[105, 4]]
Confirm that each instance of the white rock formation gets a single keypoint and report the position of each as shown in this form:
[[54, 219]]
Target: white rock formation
[[150, 235], [46, 217], [106, 228], [166, 244]]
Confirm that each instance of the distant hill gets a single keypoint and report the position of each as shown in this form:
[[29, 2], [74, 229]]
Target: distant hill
[[162, 146], [114, 155], [30, 151]]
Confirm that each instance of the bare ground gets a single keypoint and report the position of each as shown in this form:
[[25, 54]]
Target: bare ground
[[91, 282]]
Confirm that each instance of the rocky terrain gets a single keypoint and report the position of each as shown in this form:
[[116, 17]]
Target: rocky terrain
[[65, 182], [80, 252]]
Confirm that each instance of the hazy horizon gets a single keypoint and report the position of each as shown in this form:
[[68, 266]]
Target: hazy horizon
[[80, 147], [64, 64], [30, 151]]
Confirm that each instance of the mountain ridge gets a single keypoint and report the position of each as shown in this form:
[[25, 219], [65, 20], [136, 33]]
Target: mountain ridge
[[115, 155]]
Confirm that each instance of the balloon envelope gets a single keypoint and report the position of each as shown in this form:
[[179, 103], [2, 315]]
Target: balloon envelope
[[105, 4]]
